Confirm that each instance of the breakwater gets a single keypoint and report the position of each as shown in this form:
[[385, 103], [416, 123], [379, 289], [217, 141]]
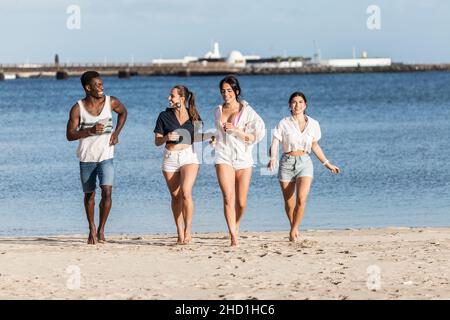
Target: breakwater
[[196, 69]]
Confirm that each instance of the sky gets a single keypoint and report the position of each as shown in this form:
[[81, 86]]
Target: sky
[[410, 31]]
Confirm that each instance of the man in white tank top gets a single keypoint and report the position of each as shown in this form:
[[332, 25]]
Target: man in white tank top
[[90, 122]]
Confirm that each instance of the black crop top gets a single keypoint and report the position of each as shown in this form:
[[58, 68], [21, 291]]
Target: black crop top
[[168, 122]]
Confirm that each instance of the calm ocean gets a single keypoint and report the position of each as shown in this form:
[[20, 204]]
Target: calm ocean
[[389, 133]]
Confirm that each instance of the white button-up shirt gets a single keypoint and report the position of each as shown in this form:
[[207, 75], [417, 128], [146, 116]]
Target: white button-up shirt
[[289, 134], [231, 146]]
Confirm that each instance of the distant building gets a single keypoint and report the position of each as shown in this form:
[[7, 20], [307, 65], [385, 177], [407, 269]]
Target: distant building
[[368, 62], [215, 54], [277, 63], [236, 59], [252, 57], [364, 61], [183, 61]]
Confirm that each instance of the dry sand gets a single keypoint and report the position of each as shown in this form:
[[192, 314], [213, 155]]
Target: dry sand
[[390, 263]]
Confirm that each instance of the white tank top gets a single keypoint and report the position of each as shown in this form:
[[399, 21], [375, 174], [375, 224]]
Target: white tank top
[[96, 148]]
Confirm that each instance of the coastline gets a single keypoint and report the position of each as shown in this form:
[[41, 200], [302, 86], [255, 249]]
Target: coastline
[[375, 263]]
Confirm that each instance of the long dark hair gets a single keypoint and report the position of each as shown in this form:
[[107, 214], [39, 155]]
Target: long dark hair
[[234, 84], [183, 91], [298, 94]]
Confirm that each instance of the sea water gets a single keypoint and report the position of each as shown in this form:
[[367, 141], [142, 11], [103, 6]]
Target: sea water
[[388, 132]]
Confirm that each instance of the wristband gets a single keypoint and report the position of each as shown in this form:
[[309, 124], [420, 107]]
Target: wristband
[[326, 162]]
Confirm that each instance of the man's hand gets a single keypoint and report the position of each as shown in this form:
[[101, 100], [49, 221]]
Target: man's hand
[[97, 129], [114, 139]]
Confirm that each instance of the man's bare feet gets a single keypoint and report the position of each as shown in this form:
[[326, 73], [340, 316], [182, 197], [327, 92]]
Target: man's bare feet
[[92, 239], [101, 236]]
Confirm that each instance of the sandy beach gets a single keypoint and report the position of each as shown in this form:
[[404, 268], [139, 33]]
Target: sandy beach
[[389, 263]]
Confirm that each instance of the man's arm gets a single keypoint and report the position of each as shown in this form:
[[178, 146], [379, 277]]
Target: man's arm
[[72, 132], [122, 112]]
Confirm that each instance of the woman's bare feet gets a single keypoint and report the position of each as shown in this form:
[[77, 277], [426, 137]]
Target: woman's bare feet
[[180, 234], [180, 239], [187, 238], [234, 239], [293, 235]]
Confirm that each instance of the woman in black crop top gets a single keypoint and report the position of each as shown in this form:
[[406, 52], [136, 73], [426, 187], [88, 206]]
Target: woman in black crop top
[[177, 127]]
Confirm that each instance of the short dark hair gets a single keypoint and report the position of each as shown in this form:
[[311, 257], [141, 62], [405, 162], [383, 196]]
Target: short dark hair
[[234, 84], [88, 76]]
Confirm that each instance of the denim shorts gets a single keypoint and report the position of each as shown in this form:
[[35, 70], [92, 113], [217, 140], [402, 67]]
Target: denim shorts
[[292, 167], [90, 170]]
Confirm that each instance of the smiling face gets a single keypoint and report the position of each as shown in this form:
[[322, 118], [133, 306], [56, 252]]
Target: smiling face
[[228, 94], [297, 106], [174, 98], [95, 88]]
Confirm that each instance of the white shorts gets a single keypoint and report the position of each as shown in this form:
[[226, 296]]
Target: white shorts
[[238, 163], [174, 160]]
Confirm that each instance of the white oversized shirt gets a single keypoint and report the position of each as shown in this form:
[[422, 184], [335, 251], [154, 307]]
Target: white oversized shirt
[[232, 146], [289, 134]]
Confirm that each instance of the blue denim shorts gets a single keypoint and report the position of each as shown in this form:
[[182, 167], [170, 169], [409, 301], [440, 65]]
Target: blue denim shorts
[[292, 167], [90, 170]]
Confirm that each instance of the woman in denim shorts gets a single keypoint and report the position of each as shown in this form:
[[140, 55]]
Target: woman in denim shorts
[[299, 135]]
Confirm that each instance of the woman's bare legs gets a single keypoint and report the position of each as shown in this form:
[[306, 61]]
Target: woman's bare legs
[[241, 184], [188, 174], [303, 185], [173, 184], [226, 178], [288, 189]]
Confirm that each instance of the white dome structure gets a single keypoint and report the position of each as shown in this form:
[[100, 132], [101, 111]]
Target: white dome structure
[[236, 59]]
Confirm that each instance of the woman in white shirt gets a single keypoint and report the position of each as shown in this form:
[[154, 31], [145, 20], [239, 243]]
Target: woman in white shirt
[[239, 128], [299, 135]]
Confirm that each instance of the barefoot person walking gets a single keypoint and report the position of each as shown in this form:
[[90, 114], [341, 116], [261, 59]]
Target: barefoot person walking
[[299, 134], [175, 127], [239, 128], [91, 122]]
